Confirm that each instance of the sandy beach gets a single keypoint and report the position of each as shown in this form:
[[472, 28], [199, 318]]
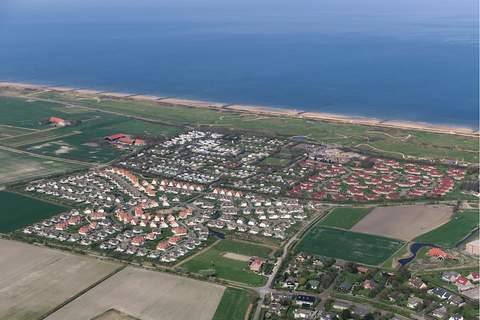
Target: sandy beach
[[261, 110]]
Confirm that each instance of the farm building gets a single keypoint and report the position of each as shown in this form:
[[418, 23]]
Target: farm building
[[58, 122], [125, 139], [256, 265]]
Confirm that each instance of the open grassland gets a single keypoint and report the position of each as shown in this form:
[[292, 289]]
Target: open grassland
[[449, 234], [18, 211], [388, 141], [16, 167], [20, 112], [147, 295], [35, 280], [37, 136], [404, 222], [226, 268], [85, 141], [234, 304], [346, 245], [344, 218]]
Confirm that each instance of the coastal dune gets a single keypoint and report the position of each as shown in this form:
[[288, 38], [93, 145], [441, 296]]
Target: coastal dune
[[260, 110]]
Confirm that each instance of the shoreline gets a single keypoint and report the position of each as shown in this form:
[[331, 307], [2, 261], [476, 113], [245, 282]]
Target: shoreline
[[253, 109]]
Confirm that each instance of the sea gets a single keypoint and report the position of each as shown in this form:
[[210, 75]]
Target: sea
[[411, 60]]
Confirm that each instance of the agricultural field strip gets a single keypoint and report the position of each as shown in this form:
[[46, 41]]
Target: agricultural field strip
[[45, 157], [148, 295], [346, 245], [37, 137], [35, 279], [7, 131]]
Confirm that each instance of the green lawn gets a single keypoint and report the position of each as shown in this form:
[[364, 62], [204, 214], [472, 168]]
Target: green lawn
[[274, 162], [345, 218], [18, 211], [234, 304], [347, 245], [454, 231], [226, 268]]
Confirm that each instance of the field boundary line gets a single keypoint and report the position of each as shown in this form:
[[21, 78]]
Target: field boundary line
[[81, 293]]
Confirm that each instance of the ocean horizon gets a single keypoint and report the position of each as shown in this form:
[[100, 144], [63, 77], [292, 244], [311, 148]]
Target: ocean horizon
[[415, 61]]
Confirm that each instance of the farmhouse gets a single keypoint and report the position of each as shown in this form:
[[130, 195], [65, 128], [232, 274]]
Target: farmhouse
[[256, 264], [58, 122]]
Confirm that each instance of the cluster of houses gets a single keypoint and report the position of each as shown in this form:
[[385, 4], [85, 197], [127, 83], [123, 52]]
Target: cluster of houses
[[253, 214], [386, 179], [467, 285], [148, 217], [203, 157]]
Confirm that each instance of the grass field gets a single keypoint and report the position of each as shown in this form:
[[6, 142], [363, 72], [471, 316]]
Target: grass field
[[274, 162], [346, 245], [344, 218], [454, 231], [21, 112], [18, 211], [234, 305], [83, 141], [226, 268], [7, 131], [37, 136], [89, 145], [16, 167]]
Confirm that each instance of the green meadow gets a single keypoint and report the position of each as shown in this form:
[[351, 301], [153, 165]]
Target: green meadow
[[346, 245], [234, 304], [345, 218], [18, 211], [227, 268], [451, 233]]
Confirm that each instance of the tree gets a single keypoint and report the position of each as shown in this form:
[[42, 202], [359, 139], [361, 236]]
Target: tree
[[346, 314], [369, 317]]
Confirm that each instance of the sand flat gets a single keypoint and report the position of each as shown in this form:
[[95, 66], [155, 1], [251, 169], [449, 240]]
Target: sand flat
[[147, 295], [404, 222]]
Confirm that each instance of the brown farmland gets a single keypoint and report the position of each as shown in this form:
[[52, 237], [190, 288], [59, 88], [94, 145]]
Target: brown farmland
[[147, 295], [34, 280], [404, 222]]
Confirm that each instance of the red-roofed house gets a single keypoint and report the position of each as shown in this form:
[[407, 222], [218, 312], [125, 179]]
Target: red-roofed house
[[162, 246], [256, 265], [174, 239], [59, 122], [179, 231]]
